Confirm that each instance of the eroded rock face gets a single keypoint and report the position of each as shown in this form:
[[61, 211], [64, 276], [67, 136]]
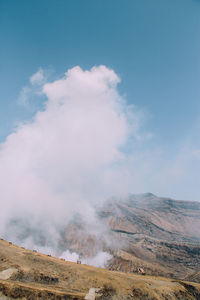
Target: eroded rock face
[[160, 235], [6, 274], [160, 218]]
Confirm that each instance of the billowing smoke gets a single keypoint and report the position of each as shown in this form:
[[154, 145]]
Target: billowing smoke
[[100, 260], [67, 159]]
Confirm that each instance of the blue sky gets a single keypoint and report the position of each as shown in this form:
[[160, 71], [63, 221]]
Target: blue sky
[[153, 45]]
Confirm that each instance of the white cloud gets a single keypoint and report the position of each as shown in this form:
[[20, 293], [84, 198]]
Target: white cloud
[[85, 146], [70, 256], [29, 94], [24, 96], [38, 78], [58, 163], [100, 260]]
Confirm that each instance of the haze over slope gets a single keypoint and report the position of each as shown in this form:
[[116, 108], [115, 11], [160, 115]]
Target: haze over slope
[[28, 275], [82, 148], [156, 217], [70, 156], [159, 235]]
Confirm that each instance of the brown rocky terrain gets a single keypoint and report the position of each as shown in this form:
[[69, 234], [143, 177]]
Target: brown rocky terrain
[[160, 218], [160, 235], [144, 234], [25, 274]]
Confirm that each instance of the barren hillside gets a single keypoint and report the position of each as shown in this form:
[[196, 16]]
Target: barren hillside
[[160, 235], [30, 275]]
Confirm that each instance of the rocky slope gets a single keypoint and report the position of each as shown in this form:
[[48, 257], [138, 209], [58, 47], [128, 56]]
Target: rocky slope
[[160, 235], [25, 274], [144, 234], [160, 218]]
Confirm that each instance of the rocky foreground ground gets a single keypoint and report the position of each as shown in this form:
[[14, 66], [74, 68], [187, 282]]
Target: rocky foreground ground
[[25, 274]]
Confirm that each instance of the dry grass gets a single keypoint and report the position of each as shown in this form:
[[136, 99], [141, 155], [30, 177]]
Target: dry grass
[[42, 277]]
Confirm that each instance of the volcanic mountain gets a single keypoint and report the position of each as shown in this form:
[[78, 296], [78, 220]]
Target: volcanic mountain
[[159, 235], [144, 235]]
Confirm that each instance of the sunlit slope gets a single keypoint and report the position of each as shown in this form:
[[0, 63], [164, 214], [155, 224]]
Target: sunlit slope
[[161, 235], [156, 217], [29, 275]]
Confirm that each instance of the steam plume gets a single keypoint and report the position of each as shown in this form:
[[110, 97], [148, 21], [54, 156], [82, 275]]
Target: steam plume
[[68, 158]]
